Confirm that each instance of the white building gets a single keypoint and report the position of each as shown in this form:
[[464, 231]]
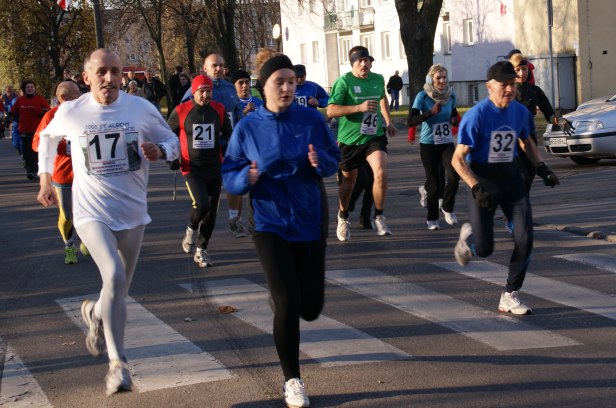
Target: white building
[[471, 35]]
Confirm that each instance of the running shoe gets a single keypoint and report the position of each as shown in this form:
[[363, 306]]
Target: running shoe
[[343, 230], [236, 227], [381, 226], [432, 225], [95, 338], [84, 249], [440, 203], [118, 377], [450, 217], [294, 392], [510, 302], [188, 243], [70, 255], [423, 196], [365, 223], [202, 259], [462, 251]]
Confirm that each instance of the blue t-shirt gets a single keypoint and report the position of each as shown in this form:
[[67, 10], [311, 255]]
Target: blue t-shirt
[[492, 133], [244, 102], [438, 125], [311, 89]]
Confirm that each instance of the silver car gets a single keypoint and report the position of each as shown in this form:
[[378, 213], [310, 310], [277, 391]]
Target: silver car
[[594, 137]]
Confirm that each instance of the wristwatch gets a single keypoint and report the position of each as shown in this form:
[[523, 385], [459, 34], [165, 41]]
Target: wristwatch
[[163, 150]]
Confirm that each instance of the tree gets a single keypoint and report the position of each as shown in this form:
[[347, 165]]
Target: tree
[[221, 24], [418, 20]]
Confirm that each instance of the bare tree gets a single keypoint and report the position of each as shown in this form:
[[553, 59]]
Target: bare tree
[[418, 21]]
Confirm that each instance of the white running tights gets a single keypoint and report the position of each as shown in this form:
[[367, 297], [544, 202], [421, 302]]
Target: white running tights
[[115, 254]]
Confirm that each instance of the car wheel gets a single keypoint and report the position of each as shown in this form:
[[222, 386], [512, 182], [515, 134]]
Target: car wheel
[[584, 160]]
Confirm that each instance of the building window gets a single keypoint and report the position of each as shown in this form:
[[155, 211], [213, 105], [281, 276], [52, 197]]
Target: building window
[[342, 5], [385, 46], [345, 46], [473, 93], [315, 51], [367, 40], [365, 3], [311, 4], [300, 7], [401, 45], [469, 34], [446, 34], [302, 53]]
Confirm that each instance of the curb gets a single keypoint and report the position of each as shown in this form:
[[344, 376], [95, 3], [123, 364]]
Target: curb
[[589, 232]]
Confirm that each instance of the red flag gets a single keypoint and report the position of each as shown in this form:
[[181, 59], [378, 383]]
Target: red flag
[[64, 4], [503, 10]]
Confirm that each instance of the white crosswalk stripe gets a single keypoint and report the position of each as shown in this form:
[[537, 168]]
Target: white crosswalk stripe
[[497, 331], [551, 289], [159, 356], [18, 388], [327, 341], [600, 261]]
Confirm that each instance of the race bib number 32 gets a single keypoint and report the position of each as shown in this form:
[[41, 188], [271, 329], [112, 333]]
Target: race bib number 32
[[502, 146]]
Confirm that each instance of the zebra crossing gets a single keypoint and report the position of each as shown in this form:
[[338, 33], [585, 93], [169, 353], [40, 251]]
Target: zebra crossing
[[162, 358]]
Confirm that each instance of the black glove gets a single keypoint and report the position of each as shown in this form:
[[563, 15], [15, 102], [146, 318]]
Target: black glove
[[548, 176], [565, 126], [174, 165], [483, 198]]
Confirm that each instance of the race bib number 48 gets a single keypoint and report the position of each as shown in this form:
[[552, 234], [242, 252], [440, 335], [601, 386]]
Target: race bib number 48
[[441, 132], [502, 146]]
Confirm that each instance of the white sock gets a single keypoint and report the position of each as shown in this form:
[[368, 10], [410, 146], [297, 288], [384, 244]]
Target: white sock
[[233, 213]]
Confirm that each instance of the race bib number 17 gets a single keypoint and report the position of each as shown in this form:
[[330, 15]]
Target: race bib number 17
[[502, 146], [108, 153]]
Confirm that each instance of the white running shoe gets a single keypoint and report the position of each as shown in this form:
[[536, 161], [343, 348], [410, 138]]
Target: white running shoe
[[294, 392], [450, 217], [118, 377], [423, 196], [188, 243], [510, 302], [343, 230], [462, 251], [202, 258], [380, 225], [432, 225], [95, 338]]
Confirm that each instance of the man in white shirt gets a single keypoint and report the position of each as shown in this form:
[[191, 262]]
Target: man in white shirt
[[111, 150]]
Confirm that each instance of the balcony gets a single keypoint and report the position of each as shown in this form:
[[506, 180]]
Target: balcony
[[345, 20]]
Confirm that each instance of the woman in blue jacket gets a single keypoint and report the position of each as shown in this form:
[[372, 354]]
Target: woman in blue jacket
[[279, 154]]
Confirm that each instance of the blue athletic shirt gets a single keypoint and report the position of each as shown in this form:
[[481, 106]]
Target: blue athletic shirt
[[244, 102], [489, 129], [424, 103], [309, 88]]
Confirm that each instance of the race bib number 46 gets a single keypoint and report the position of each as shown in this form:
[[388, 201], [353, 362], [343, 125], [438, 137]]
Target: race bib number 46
[[502, 146], [369, 123], [111, 152]]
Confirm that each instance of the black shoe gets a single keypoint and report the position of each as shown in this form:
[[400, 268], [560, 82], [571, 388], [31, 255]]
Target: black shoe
[[365, 223], [31, 176]]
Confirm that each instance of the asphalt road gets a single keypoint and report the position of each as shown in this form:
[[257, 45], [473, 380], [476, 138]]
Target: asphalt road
[[402, 325]]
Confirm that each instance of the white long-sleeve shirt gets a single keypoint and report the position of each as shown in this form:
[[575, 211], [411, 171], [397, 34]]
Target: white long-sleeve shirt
[[110, 172]]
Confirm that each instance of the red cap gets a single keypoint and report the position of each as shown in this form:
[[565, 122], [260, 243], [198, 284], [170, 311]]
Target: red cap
[[201, 82]]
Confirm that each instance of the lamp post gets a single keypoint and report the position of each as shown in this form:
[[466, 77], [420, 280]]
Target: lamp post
[[550, 24]]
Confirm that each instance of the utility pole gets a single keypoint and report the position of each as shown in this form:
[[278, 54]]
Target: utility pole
[[98, 24], [550, 25]]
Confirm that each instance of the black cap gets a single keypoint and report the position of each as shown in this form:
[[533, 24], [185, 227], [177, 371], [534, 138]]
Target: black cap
[[239, 74], [502, 71], [513, 51], [300, 70]]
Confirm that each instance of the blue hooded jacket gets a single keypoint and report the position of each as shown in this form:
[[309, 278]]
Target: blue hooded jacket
[[286, 200]]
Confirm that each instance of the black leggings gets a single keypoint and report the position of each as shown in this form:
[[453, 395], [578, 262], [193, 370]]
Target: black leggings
[[436, 160], [295, 274], [205, 194]]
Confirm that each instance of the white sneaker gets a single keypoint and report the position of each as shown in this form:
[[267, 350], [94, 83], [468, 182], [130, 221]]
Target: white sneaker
[[95, 338], [462, 251], [202, 259], [510, 302], [343, 231], [188, 243], [380, 225], [294, 392], [450, 217], [440, 203], [118, 377], [423, 196], [432, 225]]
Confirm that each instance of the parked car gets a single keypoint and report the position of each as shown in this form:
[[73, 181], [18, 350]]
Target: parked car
[[594, 137]]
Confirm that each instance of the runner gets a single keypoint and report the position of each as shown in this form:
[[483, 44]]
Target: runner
[[199, 124], [110, 192], [358, 99], [309, 93], [282, 172], [435, 109], [485, 160], [62, 178]]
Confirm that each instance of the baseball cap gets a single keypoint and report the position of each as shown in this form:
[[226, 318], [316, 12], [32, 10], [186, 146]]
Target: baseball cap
[[201, 82], [502, 71]]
